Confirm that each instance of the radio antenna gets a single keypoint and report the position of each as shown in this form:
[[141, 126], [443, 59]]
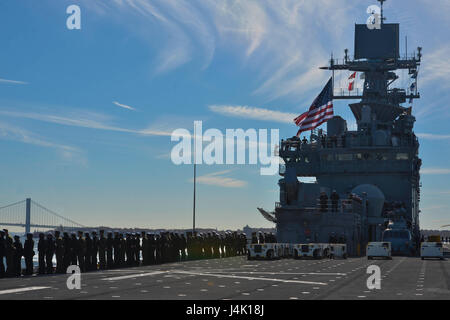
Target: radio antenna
[[382, 14]]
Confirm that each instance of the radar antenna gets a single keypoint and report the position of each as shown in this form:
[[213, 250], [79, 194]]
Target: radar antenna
[[382, 15]]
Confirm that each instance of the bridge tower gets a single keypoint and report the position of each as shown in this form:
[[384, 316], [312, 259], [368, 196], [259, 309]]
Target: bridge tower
[[28, 216]]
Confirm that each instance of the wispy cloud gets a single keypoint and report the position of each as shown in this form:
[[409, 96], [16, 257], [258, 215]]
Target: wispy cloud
[[433, 136], [14, 133], [436, 67], [439, 9], [277, 40], [435, 171], [281, 42], [431, 208], [124, 106], [220, 180], [12, 81], [84, 120], [254, 113]]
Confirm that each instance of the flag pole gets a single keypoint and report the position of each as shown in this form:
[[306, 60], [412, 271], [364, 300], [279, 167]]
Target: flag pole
[[195, 177]]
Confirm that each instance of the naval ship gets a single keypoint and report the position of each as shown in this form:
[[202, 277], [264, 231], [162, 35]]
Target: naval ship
[[374, 169]]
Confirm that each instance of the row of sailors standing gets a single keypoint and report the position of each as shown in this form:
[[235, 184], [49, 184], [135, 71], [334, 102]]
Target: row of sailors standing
[[91, 252], [325, 142], [261, 238]]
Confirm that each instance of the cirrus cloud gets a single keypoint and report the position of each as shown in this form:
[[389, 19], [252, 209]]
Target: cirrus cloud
[[219, 179], [435, 171], [123, 106], [254, 113]]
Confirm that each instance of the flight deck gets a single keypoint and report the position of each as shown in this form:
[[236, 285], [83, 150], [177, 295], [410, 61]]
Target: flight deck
[[236, 278]]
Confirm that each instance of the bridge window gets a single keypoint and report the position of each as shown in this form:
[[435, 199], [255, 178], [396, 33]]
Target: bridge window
[[382, 156], [402, 156], [327, 157], [345, 157]]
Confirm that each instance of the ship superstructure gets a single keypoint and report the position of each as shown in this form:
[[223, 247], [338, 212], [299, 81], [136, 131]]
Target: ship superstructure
[[371, 169]]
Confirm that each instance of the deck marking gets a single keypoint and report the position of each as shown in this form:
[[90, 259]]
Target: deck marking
[[22, 290], [286, 273], [241, 277], [135, 276]]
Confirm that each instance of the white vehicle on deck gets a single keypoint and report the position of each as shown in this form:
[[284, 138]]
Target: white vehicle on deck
[[338, 250], [311, 250], [267, 251], [432, 250], [287, 249], [379, 250]]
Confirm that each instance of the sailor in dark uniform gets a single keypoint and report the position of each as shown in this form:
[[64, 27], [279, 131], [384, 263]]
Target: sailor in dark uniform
[[137, 249], [177, 247], [74, 248], [102, 250], [244, 243], [116, 246], [109, 250], [158, 247], [88, 251], [2, 253], [223, 245], [260, 237], [145, 247], [59, 250], [334, 201], [81, 252], [189, 245], [122, 250], [18, 253], [94, 251], [129, 249], [42, 248], [162, 248], [183, 246], [9, 252], [304, 141], [28, 253], [152, 248], [49, 252], [323, 202], [215, 245], [67, 257]]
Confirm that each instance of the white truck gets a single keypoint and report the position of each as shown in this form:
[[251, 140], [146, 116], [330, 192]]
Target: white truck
[[269, 251], [287, 249], [379, 250], [432, 250], [311, 250]]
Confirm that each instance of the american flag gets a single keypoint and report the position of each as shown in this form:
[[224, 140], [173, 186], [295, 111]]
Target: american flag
[[320, 111]]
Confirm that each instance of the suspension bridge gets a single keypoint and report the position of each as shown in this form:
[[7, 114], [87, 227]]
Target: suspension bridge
[[30, 214]]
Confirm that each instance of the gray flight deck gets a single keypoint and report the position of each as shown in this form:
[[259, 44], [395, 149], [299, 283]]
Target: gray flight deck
[[238, 279]]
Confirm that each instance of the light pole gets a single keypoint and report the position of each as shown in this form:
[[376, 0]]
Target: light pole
[[195, 177]]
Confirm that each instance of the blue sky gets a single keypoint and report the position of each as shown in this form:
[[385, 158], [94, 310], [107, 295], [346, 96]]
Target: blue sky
[[86, 115]]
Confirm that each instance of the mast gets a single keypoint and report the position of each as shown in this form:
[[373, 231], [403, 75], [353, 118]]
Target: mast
[[382, 14]]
